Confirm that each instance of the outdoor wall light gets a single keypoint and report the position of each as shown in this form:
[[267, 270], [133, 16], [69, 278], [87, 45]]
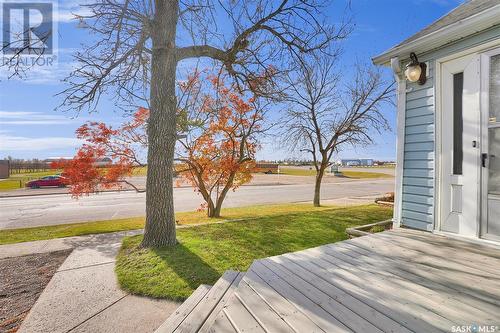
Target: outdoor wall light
[[415, 71]]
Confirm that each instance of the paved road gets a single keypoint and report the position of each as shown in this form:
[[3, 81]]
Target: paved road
[[19, 212]]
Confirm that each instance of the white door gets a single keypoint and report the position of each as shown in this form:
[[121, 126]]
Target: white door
[[460, 150], [490, 154]]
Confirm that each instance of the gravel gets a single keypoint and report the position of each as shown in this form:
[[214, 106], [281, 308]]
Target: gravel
[[22, 280]]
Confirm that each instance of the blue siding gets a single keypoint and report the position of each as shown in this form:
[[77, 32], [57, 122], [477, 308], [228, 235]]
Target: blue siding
[[418, 173], [419, 167]]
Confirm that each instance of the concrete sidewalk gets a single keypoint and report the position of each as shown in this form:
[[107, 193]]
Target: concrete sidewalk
[[83, 295]]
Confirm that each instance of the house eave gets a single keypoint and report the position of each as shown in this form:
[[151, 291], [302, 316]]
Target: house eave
[[455, 31]]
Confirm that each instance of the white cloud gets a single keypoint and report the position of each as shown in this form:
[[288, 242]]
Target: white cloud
[[69, 8], [20, 143], [41, 74], [32, 118]]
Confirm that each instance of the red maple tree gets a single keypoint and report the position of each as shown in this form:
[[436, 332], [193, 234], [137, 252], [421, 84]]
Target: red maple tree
[[215, 154]]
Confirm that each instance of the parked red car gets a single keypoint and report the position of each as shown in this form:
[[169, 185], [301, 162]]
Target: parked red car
[[56, 180]]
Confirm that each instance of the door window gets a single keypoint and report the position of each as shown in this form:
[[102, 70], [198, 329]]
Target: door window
[[458, 153], [494, 126]]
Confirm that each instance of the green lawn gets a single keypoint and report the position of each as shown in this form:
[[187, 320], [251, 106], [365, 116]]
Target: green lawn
[[140, 171], [365, 174], [349, 174], [10, 236], [97, 227], [205, 252], [298, 171]]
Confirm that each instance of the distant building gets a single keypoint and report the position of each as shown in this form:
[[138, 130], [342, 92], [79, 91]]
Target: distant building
[[357, 162], [4, 169], [100, 162], [266, 167], [105, 161]]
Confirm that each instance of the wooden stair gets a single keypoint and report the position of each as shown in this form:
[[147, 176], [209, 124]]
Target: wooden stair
[[199, 311]]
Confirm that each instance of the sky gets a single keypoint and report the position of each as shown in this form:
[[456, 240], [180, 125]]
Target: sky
[[32, 127]]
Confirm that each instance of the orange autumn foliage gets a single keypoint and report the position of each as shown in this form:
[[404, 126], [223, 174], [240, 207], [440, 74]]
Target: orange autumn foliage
[[215, 156]]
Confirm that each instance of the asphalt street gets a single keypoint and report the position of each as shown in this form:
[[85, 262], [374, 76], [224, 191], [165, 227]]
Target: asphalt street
[[30, 211]]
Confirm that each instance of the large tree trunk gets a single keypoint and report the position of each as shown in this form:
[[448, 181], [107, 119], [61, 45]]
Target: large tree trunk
[[317, 185], [160, 219]]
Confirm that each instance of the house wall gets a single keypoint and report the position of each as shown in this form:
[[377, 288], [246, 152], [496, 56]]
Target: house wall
[[419, 172]]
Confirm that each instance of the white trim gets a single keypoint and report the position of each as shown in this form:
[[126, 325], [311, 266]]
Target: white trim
[[437, 144], [466, 27], [484, 91], [465, 222], [400, 141], [476, 49]]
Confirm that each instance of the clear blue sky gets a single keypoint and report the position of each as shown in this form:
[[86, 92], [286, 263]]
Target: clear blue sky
[[30, 128]]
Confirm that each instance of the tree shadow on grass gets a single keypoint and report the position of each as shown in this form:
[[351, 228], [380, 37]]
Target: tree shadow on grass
[[187, 265], [206, 251]]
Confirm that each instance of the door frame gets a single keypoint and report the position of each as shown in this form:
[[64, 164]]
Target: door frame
[[485, 47], [467, 222], [484, 100]]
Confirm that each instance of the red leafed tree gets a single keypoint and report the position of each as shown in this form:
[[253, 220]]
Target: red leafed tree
[[215, 155], [219, 157], [123, 145]]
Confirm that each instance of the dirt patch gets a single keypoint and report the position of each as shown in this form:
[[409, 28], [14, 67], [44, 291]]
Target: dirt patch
[[22, 280]]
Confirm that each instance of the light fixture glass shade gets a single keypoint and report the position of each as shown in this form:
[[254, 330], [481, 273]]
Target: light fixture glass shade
[[413, 72]]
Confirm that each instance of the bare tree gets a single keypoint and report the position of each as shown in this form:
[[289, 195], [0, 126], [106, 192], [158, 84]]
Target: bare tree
[[323, 117], [139, 43]]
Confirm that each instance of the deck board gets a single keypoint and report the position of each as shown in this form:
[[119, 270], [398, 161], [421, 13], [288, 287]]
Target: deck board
[[222, 302], [240, 317], [322, 318], [415, 282], [380, 289], [385, 307], [473, 261], [435, 269], [222, 324], [268, 318], [396, 281], [290, 314], [342, 313], [184, 310], [443, 304], [195, 319], [378, 319]]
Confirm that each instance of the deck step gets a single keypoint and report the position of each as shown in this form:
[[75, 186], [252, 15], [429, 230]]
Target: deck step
[[200, 310]]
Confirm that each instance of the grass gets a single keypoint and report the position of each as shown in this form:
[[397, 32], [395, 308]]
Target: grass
[[140, 171], [377, 228], [10, 236], [349, 174], [298, 171], [205, 252], [19, 180], [365, 175]]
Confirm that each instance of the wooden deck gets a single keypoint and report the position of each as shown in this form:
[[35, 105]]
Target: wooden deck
[[396, 281]]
